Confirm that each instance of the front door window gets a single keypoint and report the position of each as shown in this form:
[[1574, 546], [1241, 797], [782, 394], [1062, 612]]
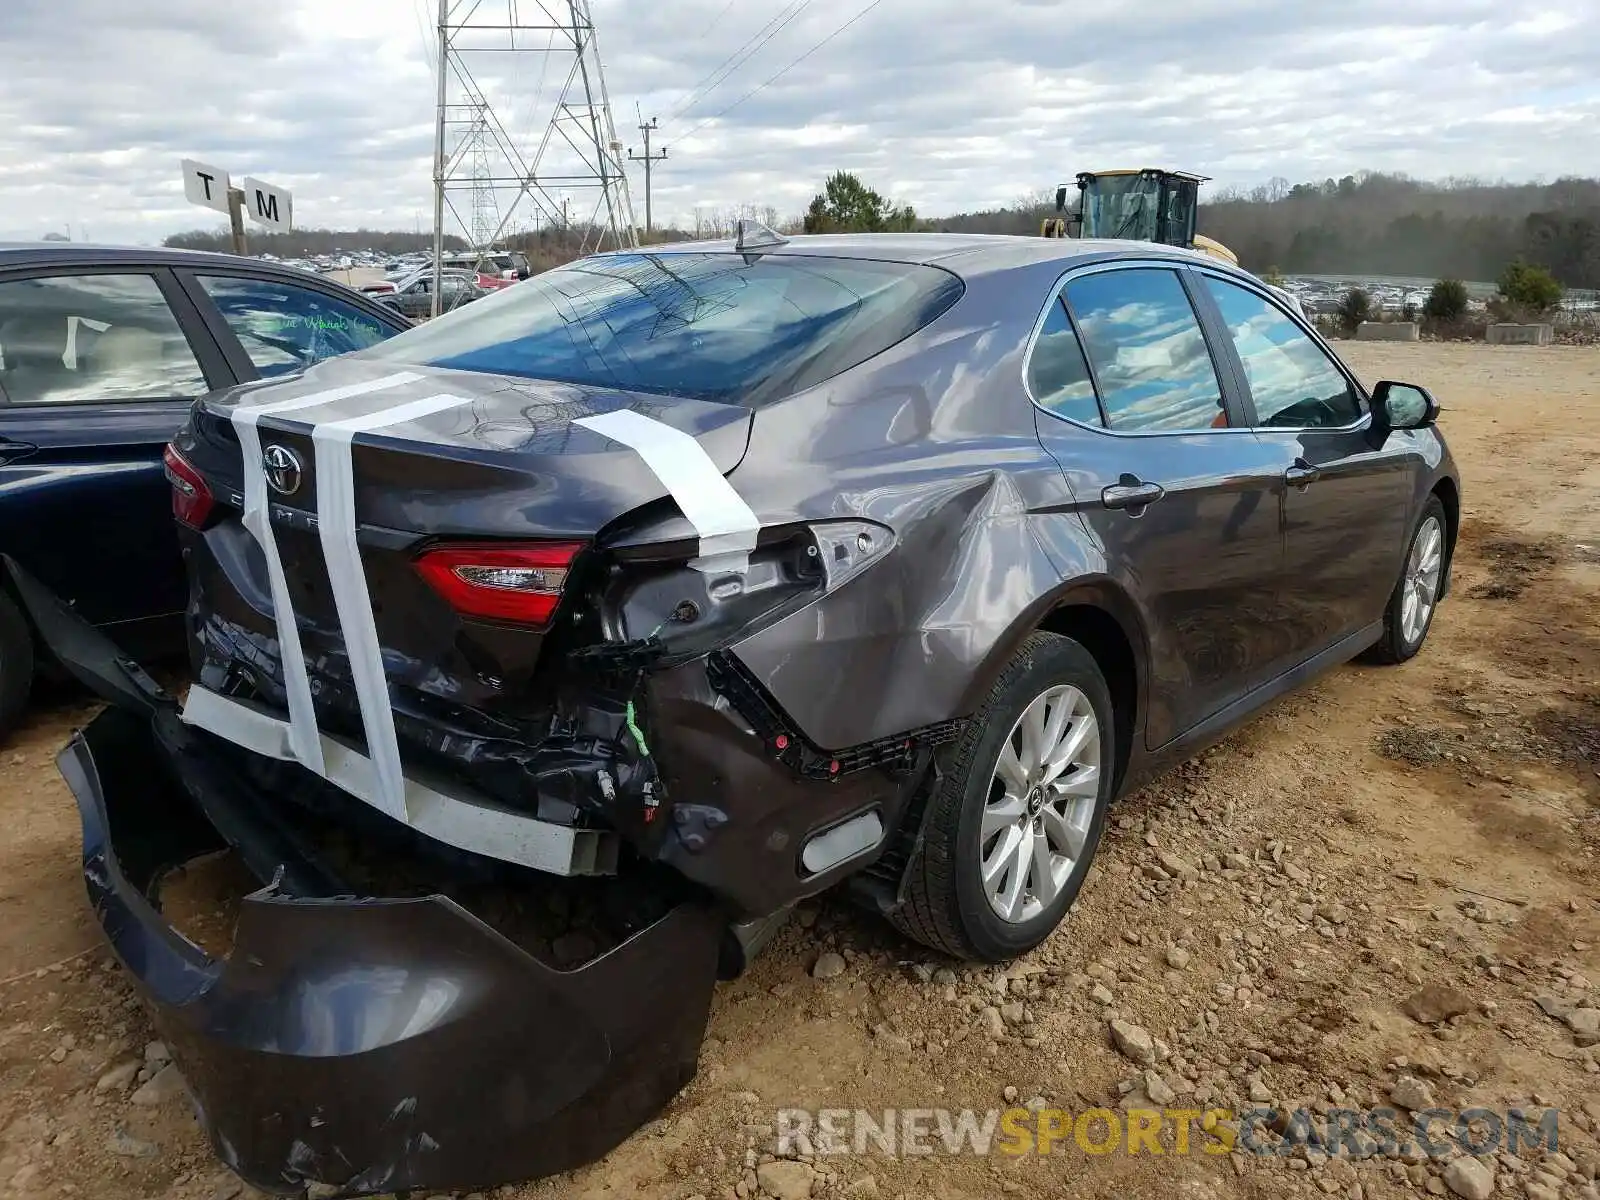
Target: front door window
[[1293, 383]]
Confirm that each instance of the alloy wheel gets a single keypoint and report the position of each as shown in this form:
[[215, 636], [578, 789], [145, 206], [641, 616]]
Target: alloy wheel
[[1420, 589], [1041, 803]]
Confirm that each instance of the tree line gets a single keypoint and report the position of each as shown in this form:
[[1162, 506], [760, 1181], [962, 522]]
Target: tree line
[[545, 248], [1375, 223], [303, 243], [1369, 223], [1391, 224]]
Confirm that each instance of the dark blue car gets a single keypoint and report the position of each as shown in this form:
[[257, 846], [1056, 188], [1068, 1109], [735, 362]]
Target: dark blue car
[[102, 351]]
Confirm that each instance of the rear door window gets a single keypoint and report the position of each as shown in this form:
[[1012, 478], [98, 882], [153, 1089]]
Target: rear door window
[[713, 326], [1149, 356], [92, 338], [285, 328]]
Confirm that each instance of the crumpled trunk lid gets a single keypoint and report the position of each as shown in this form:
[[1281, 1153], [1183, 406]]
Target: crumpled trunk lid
[[497, 456]]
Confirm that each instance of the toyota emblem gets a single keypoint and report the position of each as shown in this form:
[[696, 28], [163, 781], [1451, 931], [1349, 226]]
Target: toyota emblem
[[282, 468]]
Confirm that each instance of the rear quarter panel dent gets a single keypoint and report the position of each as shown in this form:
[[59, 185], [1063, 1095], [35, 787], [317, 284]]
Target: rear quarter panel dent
[[898, 647]]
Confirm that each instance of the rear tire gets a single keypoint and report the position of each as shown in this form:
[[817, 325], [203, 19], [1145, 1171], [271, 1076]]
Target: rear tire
[[16, 664], [1403, 633], [992, 819]]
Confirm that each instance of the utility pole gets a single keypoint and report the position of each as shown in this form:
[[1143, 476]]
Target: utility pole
[[646, 128], [438, 157], [236, 220]]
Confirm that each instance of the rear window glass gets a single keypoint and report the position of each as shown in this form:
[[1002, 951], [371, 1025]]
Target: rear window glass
[[709, 326]]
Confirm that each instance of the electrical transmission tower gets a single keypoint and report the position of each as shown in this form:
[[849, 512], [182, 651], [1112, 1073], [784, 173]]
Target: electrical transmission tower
[[524, 119], [485, 206]]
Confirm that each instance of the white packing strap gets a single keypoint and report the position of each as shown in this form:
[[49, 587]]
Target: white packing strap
[[241, 724], [455, 818], [336, 526], [257, 519], [726, 525]]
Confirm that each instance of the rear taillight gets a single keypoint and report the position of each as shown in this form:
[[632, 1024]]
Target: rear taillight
[[503, 581], [191, 495]]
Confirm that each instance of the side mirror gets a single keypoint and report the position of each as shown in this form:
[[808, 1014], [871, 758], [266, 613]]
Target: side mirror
[[1061, 199], [1402, 406]]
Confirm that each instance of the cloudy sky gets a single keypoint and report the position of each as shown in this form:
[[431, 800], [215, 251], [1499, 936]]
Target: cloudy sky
[[944, 104]]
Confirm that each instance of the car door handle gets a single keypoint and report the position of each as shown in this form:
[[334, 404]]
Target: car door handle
[[1301, 474], [1131, 495], [10, 451]]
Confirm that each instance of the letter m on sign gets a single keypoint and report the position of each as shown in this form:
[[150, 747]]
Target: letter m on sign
[[270, 206]]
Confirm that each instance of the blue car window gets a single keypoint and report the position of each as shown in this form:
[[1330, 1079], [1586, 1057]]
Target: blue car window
[[1058, 376], [92, 339], [285, 328], [1292, 381], [1149, 356], [712, 326]]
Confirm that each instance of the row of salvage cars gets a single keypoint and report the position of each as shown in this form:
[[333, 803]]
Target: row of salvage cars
[[696, 582]]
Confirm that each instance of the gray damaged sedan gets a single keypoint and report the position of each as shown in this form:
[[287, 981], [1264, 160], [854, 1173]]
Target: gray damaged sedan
[[704, 579]]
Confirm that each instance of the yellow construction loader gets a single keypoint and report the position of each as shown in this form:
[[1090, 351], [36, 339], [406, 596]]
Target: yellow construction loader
[[1145, 204]]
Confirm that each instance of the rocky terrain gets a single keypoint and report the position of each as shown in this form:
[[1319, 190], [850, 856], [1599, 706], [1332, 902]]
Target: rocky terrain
[[1383, 893]]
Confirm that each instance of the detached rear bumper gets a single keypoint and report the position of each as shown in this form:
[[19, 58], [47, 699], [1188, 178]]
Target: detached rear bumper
[[381, 1044], [372, 1044]]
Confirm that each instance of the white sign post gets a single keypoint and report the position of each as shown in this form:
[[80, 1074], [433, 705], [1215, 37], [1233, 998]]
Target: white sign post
[[266, 203]]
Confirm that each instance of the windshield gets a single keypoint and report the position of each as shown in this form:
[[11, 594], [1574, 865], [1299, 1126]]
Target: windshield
[[704, 325], [1120, 206]]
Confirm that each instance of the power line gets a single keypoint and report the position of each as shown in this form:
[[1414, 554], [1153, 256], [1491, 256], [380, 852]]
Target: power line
[[739, 57], [430, 37], [768, 82], [716, 20], [719, 74]]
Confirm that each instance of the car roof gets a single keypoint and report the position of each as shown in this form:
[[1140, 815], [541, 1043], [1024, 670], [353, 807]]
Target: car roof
[[962, 253], [27, 254]]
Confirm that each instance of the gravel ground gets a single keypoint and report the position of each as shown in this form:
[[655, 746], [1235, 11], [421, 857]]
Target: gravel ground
[[1384, 891]]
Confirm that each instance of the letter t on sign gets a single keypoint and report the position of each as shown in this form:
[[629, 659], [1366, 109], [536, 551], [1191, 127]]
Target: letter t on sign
[[205, 185]]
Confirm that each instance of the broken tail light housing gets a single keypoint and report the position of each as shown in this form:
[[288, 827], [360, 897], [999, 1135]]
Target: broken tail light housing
[[519, 582], [192, 500]]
